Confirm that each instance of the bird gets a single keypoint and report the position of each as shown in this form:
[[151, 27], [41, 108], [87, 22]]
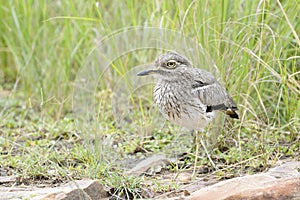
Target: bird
[[186, 95]]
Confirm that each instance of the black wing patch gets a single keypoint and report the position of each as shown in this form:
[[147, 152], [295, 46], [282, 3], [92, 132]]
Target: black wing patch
[[199, 84], [228, 111]]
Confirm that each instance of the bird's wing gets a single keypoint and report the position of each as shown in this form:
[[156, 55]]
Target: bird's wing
[[212, 94]]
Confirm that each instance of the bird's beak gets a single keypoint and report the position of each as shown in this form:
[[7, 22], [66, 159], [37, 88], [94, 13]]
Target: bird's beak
[[148, 71]]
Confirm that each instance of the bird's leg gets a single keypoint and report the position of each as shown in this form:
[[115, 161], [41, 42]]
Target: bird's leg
[[198, 140], [207, 154]]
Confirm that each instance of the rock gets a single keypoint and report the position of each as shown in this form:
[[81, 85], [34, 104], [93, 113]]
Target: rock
[[7, 179], [286, 170], [197, 185], [282, 182], [251, 187], [153, 163], [184, 177], [81, 189], [282, 189]]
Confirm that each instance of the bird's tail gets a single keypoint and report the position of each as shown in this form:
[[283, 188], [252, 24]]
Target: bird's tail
[[232, 113]]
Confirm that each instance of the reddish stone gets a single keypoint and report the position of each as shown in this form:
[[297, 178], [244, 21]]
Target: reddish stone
[[281, 189], [256, 187]]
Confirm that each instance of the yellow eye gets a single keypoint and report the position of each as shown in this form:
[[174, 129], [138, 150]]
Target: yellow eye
[[171, 64]]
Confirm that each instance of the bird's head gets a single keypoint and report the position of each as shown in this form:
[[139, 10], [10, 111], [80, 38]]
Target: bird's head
[[168, 66]]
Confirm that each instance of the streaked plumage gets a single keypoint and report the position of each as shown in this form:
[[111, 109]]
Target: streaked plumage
[[188, 96]]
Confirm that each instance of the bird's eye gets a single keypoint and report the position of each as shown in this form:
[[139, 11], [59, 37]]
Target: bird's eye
[[171, 64]]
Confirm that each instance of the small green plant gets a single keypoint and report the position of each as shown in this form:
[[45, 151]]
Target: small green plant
[[124, 186]]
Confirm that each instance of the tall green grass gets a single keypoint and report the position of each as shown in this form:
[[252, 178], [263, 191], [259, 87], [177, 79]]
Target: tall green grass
[[252, 42]]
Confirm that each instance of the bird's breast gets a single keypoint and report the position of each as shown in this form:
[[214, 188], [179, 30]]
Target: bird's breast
[[167, 101], [179, 105]]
